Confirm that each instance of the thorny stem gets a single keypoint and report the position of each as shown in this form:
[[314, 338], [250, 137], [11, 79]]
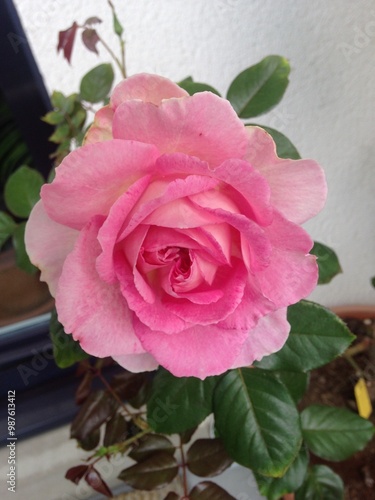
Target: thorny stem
[[137, 419], [114, 57], [122, 44]]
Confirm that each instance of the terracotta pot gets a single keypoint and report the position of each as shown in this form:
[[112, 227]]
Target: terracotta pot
[[355, 311], [22, 295]]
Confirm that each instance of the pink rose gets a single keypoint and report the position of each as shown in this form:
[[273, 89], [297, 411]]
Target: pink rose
[[173, 235]]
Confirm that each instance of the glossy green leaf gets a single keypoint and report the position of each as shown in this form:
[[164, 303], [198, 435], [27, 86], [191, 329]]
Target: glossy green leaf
[[97, 408], [207, 457], [295, 382], [179, 403], [150, 444], [321, 483], [328, 262], [97, 83], [275, 488], [22, 190], [7, 227], [193, 87], [257, 420], [284, 147], [22, 259], [154, 472], [259, 88], [334, 433], [66, 350], [116, 430], [317, 336], [209, 491], [54, 118]]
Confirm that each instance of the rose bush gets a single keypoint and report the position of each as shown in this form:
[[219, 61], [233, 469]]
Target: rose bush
[[172, 236]]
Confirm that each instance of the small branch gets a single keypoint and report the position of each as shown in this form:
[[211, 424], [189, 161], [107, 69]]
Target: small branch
[[183, 465], [113, 55]]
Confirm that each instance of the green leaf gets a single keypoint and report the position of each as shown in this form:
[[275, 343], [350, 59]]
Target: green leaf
[[97, 408], [66, 350], [284, 147], [275, 488], [54, 118], [156, 471], [257, 420], [316, 337], [97, 83], [209, 491], [328, 262], [334, 433], [207, 457], [193, 87], [321, 483], [61, 134], [7, 227], [150, 444], [259, 88], [22, 259], [22, 190], [179, 403], [117, 26], [295, 382]]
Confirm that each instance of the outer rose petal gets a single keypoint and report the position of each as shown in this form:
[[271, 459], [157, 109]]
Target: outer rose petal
[[292, 273], [84, 186], [48, 243], [203, 125], [137, 362], [101, 129], [200, 351], [267, 337], [95, 313], [298, 187], [147, 88]]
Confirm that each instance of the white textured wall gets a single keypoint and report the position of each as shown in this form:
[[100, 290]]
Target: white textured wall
[[328, 110]]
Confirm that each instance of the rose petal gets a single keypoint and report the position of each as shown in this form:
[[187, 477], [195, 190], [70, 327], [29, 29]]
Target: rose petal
[[267, 337], [137, 362], [84, 186], [202, 125], [199, 351], [94, 312], [147, 88], [298, 187], [292, 273], [101, 129], [48, 245]]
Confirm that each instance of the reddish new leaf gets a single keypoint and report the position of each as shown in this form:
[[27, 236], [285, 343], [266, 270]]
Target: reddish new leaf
[[127, 385], [91, 441], [155, 472], [97, 408], [150, 444], [116, 430], [207, 457], [84, 388], [209, 491], [92, 20], [75, 474], [172, 496], [90, 39], [66, 41], [95, 480]]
